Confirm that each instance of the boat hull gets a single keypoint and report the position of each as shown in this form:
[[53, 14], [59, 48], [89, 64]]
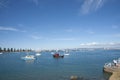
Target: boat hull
[[28, 57], [58, 56]]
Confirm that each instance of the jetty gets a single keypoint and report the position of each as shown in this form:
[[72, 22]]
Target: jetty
[[114, 68]]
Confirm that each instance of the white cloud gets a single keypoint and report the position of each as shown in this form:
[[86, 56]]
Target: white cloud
[[20, 25], [69, 30], [89, 44], [96, 44], [3, 3], [35, 1], [91, 5], [115, 27], [24, 31], [90, 32], [64, 39], [36, 37], [116, 35], [8, 29], [2, 28]]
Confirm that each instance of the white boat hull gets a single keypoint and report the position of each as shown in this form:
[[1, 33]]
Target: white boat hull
[[28, 57]]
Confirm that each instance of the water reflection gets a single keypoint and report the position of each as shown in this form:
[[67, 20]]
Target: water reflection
[[29, 61]]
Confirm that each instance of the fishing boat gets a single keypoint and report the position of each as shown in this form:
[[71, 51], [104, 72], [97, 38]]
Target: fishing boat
[[28, 57], [56, 55]]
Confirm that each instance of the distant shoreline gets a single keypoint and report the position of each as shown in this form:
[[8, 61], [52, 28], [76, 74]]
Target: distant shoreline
[[4, 50]]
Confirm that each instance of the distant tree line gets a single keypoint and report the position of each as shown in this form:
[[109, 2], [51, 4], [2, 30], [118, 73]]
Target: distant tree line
[[14, 50]]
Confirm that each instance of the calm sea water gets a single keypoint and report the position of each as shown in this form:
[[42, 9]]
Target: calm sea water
[[86, 64]]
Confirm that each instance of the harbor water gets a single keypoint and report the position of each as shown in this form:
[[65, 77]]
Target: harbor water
[[86, 64]]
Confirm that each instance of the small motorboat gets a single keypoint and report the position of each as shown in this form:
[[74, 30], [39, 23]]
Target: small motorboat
[[29, 57], [66, 54], [37, 54], [56, 55]]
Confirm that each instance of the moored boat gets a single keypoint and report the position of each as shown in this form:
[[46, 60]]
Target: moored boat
[[37, 54], [57, 55], [66, 52], [29, 57]]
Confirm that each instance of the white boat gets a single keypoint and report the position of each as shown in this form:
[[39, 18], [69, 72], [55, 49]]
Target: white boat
[[37, 54], [52, 53], [66, 54], [29, 57], [1, 53]]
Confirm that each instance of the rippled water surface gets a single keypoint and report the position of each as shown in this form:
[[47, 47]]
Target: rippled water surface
[[87, 64]]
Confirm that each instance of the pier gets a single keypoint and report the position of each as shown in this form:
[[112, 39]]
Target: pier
[[114, 68]]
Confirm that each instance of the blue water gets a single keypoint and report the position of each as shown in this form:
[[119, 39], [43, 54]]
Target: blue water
[[86, 64]]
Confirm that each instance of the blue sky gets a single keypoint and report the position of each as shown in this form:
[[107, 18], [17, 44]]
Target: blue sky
[[58, 24]]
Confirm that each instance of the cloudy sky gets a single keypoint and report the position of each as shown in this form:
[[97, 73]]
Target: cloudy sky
[[53, 24]]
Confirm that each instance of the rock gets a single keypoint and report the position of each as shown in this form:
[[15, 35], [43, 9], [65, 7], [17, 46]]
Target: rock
[[74, 78]]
